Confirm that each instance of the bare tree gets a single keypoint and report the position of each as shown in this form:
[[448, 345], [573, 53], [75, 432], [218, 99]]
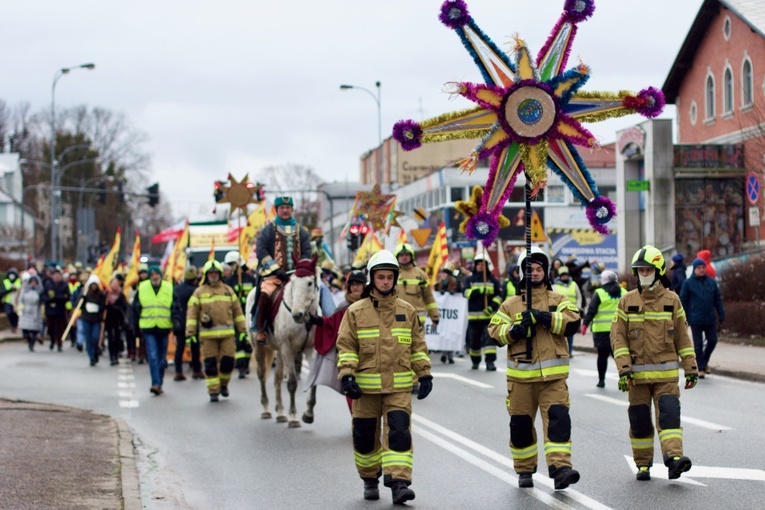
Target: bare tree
[[298, 181]]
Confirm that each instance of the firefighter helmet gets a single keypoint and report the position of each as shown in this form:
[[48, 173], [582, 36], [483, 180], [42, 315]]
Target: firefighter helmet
[[538, 256], [649, 256], [404, 248], [233, 257]]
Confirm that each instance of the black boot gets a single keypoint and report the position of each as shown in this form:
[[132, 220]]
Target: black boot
[[490, 366], [643, 474], [677, 466], [564, 477], [214, 397], [224, 391], [525, 481], [371, 490], [401, 493]]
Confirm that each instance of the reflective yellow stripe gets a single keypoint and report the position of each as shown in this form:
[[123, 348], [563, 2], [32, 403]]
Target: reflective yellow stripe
[[215, 333], [504, 337], [642, 444], [619, 314], [543, 369], [680, 313], [490, 350], [621, 351], [347, 356], [403, 379], [431, 306], [191, 322], [557, 323], [369, 381], [670, 434], [658, 316], [193, 301], [368, 333], [367, 460], [216, 299], [212, 381], [685, 352], [475, 354], [500, 317], [557, 448], [401, 331], [391, 458], [524, 453], [656, 371], [418, 356], [241, 355], [411, 281]]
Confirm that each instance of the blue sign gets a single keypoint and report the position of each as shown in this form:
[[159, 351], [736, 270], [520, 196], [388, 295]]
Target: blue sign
[[463, 244], [753, 187]]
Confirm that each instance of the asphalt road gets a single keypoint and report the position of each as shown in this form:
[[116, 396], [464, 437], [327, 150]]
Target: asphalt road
[[198, 455]]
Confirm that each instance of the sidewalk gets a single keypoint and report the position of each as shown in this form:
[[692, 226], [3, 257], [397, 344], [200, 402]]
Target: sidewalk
[[55, 456], [733, 360]]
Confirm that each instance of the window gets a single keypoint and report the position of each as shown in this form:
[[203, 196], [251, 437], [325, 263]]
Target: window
[[746, 83], [457, 194], [556, 194], [710, 98], [726, 28], [694, 113], [727, 91]]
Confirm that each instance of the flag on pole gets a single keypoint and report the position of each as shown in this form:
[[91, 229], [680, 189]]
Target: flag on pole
[[439, 253], [135, 260], [255, 222], [176, 263], [370, 245], [402, 238], [211, 255], [107, 267]]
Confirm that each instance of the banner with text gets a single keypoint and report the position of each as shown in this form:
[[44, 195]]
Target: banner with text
[[451, 330], [584, 244]]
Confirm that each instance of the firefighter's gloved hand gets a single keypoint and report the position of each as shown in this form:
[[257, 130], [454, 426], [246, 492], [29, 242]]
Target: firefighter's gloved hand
[[350, 387], [191, 340], [543, 318], [691, 380], [315, 320], [488, 311], [625, 380], [524, 329], [426, 386], [583, 329]]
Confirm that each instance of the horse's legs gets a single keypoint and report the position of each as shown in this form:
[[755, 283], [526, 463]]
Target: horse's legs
[[278, 379], [264, 356], [310, 403]]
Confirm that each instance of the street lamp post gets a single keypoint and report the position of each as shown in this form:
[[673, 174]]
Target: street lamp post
[[377, 99], [53, 172]]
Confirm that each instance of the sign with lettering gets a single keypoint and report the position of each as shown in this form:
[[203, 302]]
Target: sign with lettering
[[450, 334], [633, 136], [638, 185], [710, 156]]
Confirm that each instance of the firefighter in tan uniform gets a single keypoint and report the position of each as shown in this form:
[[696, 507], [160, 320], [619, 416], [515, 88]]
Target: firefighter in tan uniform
[[381, 348], [537, 369], [215, 310], [649, 337], [414, 286]]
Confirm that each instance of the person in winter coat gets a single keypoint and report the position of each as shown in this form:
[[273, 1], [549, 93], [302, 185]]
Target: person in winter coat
[[484, 298], [181, 295], [116, 318], [324, 369], [91, 317], [706, 256], [650, 342], [9, 291], [537, 369], [30, 312], [381, 349], [701, 298], [600, 314], [678, 273], [55, 295], [447, 283]]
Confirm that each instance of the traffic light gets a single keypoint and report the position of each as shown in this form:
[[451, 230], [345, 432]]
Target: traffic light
[[353, 236], [218, 192], [153, 191], [101, 194], [363, 230], [121, 196]]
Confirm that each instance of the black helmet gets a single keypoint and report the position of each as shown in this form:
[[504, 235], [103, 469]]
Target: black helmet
[[356, 276]]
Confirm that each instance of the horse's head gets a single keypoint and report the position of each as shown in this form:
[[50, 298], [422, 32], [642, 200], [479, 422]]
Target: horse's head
[[304, 288]]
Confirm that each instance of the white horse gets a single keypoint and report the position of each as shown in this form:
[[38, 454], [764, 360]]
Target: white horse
[[291, 336]]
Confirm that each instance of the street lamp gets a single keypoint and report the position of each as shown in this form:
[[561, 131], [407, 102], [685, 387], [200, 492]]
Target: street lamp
[[53, 173], [379, 125]]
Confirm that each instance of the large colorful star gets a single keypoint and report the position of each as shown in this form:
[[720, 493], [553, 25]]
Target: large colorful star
[[528, 117], [238, 193]]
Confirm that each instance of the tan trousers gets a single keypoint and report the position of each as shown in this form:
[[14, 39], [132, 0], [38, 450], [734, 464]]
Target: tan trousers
[[391, 452], [218, 359], [666, 400]]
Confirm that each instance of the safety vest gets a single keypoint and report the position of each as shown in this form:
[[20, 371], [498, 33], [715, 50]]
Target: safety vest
[[602, 321], [510, 289], [155, 306], [9, 287], [567, 290]]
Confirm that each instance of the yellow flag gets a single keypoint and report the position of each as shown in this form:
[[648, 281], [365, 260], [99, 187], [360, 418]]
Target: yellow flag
[[370, 245], [211, 255], [439, 253], [107, 267], [135, 261], [180, 255], [170, 265], [402, 239], [255, 222]]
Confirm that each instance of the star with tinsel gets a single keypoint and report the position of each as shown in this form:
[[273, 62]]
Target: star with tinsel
[[374, 206], [529, 116], [237, 193], [470, 208]]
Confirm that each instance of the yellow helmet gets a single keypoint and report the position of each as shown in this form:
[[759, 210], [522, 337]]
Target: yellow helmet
[[212, 265], [404, 248], [649, 256]]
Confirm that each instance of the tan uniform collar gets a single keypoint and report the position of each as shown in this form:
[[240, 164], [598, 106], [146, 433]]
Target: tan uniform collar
[[386, 303]]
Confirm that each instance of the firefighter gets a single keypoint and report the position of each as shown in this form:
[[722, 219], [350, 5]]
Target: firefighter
[[381, 347], [234, 260], [649, 338], [483, 293], [537, 369], [568, 287], [414, 286], [215, 310]]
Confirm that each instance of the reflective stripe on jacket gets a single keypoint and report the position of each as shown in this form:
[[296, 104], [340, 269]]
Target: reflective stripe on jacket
[[414, 287], [218, 303], [155, 306], [549, 352], [606, 309], [649, 335], [380, 342]]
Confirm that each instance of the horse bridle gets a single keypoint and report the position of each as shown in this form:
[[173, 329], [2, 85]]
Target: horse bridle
[[308, 325]]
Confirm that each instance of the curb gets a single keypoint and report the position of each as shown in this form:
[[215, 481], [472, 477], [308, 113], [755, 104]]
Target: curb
[[129, 483]]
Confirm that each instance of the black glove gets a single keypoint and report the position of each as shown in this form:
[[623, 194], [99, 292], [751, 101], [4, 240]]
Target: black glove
[[426, 386], [315, 320], [540, 317], [523, 329], [350, 387]]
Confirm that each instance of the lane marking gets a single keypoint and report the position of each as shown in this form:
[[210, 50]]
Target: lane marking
[[128, 403], [126, 385], [507, 462], [661, 472], [594, 373], [684, 419], [456, 377]]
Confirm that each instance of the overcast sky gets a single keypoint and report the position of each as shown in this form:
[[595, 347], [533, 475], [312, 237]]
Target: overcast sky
[[238, 85]]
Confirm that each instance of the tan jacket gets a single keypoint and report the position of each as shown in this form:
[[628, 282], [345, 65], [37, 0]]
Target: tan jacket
[[549, 347], [649, 335], [381, 343], [218, 303], [414, 288]]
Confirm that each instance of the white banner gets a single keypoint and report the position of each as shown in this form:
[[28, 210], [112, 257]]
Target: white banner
[[451, 330]]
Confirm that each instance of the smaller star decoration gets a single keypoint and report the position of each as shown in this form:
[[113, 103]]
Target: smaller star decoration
[[470, 208], [374, 206], [239, 194]]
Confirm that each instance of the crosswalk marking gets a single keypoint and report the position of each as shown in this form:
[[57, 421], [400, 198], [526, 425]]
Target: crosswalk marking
[[126, 385], [466, 380]]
